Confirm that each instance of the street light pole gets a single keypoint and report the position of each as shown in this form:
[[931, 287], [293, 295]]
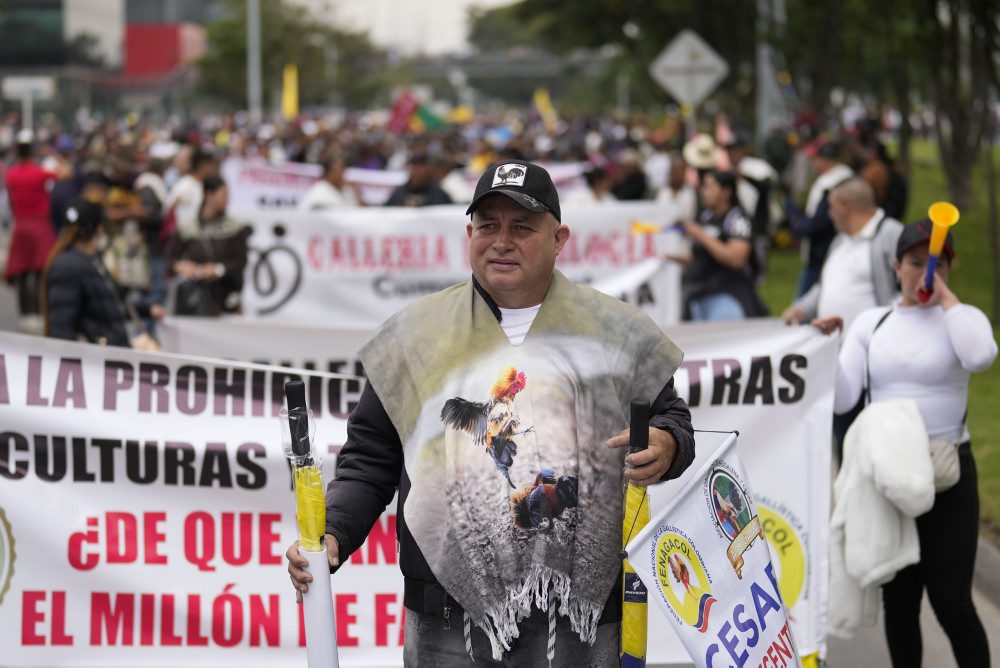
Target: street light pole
[[253, 60]]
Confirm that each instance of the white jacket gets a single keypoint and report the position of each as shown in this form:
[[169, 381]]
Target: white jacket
[[885, 481]]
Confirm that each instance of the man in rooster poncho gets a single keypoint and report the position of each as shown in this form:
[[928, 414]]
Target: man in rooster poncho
[[496, 408]]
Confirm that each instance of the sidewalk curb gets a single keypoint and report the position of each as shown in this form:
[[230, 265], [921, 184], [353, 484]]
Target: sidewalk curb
[[986, 575]]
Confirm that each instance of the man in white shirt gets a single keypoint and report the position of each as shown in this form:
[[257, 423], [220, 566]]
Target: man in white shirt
[[186, 196], [813, 225], [857, 273], [332, 190]]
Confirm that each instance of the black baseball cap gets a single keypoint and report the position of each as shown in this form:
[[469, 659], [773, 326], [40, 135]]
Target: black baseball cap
[[85, 215], [918, 233], [524, 182]]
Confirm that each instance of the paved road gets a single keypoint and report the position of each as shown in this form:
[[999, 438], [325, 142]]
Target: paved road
[[866, 650]]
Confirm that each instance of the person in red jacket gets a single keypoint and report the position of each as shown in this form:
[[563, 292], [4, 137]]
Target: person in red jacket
[[28, 186]]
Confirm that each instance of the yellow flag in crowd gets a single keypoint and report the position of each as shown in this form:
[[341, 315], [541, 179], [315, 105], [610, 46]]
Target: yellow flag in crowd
[[543, 104], [290, 92]]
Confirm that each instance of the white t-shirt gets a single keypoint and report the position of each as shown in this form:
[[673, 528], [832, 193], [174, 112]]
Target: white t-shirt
[[186, 197], [924, 354], [324, 195], [516, 322], [457, 187], [846, 287], [587, 196]]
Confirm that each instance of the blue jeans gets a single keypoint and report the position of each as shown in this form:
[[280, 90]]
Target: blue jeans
[[430, 644], [721, 306]]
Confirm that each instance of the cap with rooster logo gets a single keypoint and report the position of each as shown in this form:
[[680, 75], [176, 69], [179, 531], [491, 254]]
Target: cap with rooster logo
[[524, 182]]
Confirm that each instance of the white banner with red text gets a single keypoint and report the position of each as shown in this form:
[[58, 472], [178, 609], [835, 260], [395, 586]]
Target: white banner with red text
[[258, 184], [356, 267], [145, 508]]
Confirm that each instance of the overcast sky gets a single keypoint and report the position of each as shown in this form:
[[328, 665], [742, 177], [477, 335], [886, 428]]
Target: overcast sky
[[411, 26]]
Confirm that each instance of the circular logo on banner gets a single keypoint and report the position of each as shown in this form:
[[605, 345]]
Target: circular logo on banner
[[6, 555], [682, 579], [733, 513], [783, 534]]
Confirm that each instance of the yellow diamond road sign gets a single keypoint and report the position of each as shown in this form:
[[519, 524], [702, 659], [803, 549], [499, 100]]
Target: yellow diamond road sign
[[689, 69]]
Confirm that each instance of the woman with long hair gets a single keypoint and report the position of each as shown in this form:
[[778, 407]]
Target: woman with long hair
[[208, 262], [79, 298], [719, 276]]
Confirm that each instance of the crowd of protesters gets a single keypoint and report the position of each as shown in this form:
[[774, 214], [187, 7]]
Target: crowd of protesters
[[116, 224], [168, 244]]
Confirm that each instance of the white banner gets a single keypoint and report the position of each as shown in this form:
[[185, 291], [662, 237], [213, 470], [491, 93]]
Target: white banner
[[145, 508], [706, 564], [173, 487], [259, 185], [356, 267]]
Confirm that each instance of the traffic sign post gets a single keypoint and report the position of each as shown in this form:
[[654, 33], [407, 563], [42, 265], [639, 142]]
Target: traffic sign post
[[689, 69]]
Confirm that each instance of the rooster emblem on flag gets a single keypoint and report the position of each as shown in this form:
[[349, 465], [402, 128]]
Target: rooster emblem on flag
[[493, 424]]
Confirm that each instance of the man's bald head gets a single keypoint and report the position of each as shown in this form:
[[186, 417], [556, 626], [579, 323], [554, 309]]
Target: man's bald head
[[852, 205], [857, 193]]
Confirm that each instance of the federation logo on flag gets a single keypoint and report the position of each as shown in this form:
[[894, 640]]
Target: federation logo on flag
[[734, 515], [682, 579]]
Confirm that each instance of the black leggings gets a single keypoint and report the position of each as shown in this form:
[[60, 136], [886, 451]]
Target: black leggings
[[948, 536], [27, 292]]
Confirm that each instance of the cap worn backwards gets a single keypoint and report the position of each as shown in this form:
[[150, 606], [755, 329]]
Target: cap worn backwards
[[524, 182], [85, 215]]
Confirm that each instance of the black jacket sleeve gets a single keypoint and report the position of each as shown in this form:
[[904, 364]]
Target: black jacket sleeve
[[368, 472], [64, 293], [670, 413]]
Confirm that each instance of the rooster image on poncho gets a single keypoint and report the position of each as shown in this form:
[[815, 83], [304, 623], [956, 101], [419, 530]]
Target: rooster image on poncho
[[492, 423]]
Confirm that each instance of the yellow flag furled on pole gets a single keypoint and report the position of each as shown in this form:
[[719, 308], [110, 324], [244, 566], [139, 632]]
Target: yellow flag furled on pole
[[290, 92], [636, 517], [543, 105]]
